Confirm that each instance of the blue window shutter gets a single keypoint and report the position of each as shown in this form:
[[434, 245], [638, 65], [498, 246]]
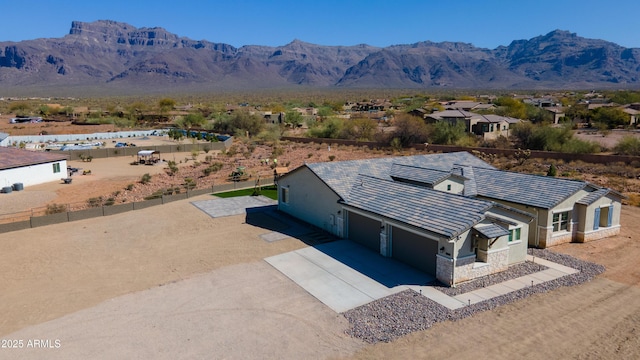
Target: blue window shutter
[[596, 219], [610, 219]]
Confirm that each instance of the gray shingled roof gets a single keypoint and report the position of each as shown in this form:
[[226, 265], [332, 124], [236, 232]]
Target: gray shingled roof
[[435, 211], [491, 231], [534, 190], [340, 176], [418, 174], [592, 197]]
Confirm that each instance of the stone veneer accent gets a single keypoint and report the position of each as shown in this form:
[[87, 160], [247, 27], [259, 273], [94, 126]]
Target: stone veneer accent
[[597, 234], [468, 269], [548, 239]]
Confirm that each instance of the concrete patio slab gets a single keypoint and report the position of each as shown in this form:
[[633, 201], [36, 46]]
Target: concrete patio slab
[[220, 207]]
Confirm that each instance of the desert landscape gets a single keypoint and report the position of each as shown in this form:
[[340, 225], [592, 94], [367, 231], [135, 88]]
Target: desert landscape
[[171, 281]]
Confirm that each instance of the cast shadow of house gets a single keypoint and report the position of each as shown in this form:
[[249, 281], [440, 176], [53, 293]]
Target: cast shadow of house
[[386, 271]]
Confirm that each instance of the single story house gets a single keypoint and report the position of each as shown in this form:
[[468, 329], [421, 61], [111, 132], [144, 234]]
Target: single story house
[[30, 167], [488, 126], [450, 215]]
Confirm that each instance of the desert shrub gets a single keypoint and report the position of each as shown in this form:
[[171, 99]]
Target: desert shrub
[[173, 167], [55, 209], [110, 201], [276, 152], [232, 151], [628, 145], [396, 144], [129, 187], [94, 201], [447, 133], [145, 179], [410, 130], [189, 183], [332, 157], [155, 195]]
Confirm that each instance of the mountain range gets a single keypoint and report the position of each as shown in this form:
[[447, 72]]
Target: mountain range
[[114, 56]]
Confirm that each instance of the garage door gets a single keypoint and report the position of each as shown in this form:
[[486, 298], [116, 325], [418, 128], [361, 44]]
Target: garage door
[[414, 250], [364, 231]]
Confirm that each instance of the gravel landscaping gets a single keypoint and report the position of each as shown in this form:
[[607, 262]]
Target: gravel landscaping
[[400, 314], [513, 272]]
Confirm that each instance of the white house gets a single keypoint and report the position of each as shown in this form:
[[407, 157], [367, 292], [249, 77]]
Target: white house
[[30, 167], [451, 215]]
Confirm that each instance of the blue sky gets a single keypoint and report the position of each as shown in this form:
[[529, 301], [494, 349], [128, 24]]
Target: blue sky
[[483, 23]]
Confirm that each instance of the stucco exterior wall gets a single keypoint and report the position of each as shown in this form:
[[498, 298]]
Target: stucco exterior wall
[[457, 185], [580, 226], [309, 199], [34, 174]]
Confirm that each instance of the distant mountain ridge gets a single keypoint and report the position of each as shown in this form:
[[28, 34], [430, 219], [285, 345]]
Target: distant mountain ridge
[[113, 55]]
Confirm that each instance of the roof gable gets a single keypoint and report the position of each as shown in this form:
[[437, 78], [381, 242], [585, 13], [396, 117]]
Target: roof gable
[[534, 190], [439, 212]]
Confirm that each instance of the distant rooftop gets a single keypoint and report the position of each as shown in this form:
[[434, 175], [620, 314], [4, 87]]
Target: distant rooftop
[[11, 158]]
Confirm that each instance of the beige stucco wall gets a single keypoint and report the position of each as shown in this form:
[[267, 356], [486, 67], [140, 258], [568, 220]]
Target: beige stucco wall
[[309, 199], [580, 227]]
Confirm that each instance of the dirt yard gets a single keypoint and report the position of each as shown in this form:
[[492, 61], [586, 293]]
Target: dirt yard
[[170, 281]]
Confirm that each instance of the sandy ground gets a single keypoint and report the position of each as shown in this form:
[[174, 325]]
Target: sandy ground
[[210, 294], [608, 141], [170, 281]]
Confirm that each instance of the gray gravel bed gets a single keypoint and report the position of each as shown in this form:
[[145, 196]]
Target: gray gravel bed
[[397, 315], [512, 272]]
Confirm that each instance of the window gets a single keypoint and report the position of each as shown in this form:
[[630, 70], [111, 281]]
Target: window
[[514, 234], [603, 217], [561, 221], [448, 187], [284, 195], [56, 168]]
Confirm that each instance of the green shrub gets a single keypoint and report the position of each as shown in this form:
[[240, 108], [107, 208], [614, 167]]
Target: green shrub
[[628, 145], [146, 178]]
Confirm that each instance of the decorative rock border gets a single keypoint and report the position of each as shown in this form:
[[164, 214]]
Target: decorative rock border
[[397, 315]]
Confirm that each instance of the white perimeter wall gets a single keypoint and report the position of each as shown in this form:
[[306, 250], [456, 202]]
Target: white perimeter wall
[[33, 175]]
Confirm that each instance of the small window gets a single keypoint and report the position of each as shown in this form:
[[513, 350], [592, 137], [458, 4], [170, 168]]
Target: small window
[[448, 187], [284, 195], [561, 221], [56, 168], [514, 234]]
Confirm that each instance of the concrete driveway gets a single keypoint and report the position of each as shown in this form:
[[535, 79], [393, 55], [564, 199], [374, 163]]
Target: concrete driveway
[[344, 275]]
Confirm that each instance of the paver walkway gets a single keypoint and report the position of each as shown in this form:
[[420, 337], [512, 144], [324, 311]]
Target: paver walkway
[[553, 272]]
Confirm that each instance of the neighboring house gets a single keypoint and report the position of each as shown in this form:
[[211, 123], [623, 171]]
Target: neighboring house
[[488, 126], [452, 116], [451, 215], [633, 115], [467, 106], [557, 113], [30, 167]]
